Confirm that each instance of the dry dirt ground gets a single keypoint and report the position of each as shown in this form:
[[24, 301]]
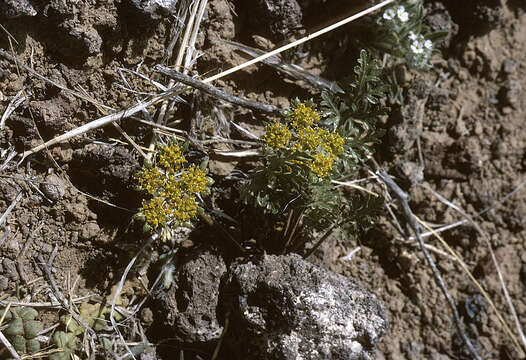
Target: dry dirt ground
[[472, 132]]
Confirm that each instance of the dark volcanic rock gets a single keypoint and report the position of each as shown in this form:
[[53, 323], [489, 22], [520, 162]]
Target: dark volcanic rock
[[11, 9], [106, 171], [280, 18], [154, 9], [285, 308], [438, 19], [189, 307], [75, 39]]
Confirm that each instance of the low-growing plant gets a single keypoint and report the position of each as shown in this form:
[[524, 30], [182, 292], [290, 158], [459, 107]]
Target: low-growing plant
[[22, 329], [173, 186], [94, 315], [401, 32], [66, 342], [298, 158], [306, 150]]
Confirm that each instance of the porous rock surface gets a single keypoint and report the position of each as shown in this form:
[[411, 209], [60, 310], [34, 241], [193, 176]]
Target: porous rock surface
[[284, 308], [11, 9], [189, 307], [279, 17], [155, 9]]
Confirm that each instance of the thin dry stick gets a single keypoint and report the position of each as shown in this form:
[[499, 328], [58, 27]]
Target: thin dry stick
[[9, 347], [215, 92], [493, 258], [479, 286], [485, 210], [18, 99], [354, 186], [178, 62], [10, 208], [105, 120], [403, 199], [50, 305], [189, 54], [118, 127]]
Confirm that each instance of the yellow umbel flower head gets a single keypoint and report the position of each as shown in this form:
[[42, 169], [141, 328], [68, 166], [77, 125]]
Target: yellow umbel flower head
[[277, 135], [303, 115], [174, 188], [302, 133]]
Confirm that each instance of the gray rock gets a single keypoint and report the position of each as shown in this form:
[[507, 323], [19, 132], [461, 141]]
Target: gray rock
[[414, 350], [509, 66], [10, 269], [155, 9], [280, 17], [11, 9], [53, 187], [438, 19], [189, 307], [79, 40], [510, 93], [4, 283], [284, 308]]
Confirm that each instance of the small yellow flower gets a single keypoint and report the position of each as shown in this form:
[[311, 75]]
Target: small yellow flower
[[334, 143], [171, 158], [194, 179], [321, 164], [155, 211], [277, 135], [304, 116], [185, 208], [150, 179], [173, 188], [310, 138]]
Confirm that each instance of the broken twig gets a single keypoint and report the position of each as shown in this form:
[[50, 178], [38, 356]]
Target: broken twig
[[213, 91]]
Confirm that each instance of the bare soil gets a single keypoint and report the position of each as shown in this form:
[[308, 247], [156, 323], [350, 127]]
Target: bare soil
[[78, 198]]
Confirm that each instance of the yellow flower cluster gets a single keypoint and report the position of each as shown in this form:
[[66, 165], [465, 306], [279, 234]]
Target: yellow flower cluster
[[277, 135], [171, 158], [173, 188], [304, 116], [305, 135]]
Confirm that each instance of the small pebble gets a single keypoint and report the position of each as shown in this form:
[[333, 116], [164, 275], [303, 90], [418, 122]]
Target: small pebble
[[509, 66], [4, 283], [10, 269], [510, 93], [53, 187]]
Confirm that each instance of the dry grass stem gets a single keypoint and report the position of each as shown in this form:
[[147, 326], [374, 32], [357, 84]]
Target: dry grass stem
[[495, 262], [299, 41], [475, 281], [411, 219], [10, 208], [15, 102]]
